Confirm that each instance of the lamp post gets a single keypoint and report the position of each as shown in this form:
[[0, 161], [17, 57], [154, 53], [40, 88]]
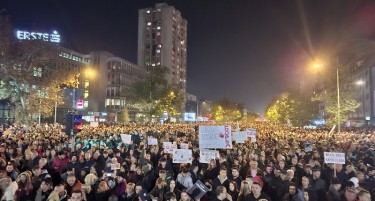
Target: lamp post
[[338, 97]]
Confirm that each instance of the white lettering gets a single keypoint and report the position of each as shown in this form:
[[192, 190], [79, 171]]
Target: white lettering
[[24, 35]]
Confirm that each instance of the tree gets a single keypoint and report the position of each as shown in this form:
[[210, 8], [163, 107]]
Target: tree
[[154, 95], [30, 77], [226, 110]]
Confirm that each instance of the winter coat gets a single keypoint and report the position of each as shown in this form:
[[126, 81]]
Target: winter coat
[[186, 181]]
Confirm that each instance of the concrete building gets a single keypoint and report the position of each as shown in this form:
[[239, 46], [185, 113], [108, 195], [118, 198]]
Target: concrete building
[[162, 41], [363, 78]]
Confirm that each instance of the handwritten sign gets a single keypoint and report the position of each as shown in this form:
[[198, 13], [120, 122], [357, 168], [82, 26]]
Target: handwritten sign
[[206, 155], [215, 137], [168, 148], [184, 146], [152, 141], [334, 157], [182, 156], [126, 139]]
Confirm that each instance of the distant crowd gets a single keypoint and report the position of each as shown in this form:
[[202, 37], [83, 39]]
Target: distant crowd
[[42, 163]]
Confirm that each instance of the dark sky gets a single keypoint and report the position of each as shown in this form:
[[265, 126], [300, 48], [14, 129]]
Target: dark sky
[[246, 50]]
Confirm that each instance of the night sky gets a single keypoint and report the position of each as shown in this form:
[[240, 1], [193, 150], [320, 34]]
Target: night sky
[[248, 51]]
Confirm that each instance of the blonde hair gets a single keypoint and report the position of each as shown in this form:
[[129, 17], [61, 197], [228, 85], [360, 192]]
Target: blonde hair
[[245, 188], [91, 179]]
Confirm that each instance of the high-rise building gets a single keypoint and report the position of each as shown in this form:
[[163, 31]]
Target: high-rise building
[[162, 41]]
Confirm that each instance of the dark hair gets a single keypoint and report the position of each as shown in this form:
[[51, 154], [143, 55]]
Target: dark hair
[[48, 181], [169, 195], [219, 190]]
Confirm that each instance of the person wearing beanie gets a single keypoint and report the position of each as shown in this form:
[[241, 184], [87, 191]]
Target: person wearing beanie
[[294, 194], [333, 193]]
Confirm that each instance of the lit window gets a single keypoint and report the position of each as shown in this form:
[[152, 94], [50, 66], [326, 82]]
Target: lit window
[[158, 33], [153, 65], [148, 11], [159, 46], [158, 27], [87, 83], [157, 51], [148, 23], [159, 9], [86, 94]]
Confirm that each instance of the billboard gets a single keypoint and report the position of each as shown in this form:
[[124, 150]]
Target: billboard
[[189, 117]]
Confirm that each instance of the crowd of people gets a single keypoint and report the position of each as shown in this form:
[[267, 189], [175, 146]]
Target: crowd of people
[[42, 163]]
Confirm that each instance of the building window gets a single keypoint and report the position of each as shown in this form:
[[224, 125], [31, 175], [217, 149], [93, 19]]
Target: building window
[[85, 103], [87, 84], [149, 23], [148, 11], [158, 27], [158, 51], [86, 94]]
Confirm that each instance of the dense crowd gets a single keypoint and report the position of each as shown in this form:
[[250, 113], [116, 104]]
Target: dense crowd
[[40, 162]]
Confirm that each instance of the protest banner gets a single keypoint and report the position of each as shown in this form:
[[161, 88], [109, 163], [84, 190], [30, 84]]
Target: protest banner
[[182, 156], [126, 139], [215, 137], [197, 191], [239, 137], [206, 155], [184, 146], [334, 157], [252, 133], [152, 141]]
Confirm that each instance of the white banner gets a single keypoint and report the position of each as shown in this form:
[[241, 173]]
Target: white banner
[[215, 137], [152, 141], [127, 139], [184, 146], [182, 156], [251, 132], [239, 137], [308, 147], [334, 157], [206, 155]]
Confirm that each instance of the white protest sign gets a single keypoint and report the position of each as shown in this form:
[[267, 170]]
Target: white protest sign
[[206, 155], [182, 156], [168, 147], [239, 137], [334, 157], [308, 147], [152, 141], [215, 137], [184, 146], [126, 139], [251, 132]]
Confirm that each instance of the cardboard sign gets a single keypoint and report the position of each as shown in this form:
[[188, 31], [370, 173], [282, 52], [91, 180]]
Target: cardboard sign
[[184, 146], [334, 157], [197, 191], [182, 156], [152, 141], [126, 139], [206, 155], [308, 147], [215, 137]]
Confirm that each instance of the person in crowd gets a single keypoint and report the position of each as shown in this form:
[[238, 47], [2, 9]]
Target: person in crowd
[[45, 190], [72, 184], [170, 196], [184, 179], [129, 194], [222, 194], [158, 191], [77, 195], [333, 193], [257, 193], [8, 188], [349, 194], [233, 190], [318, 184], [25, 186], [294, 194], [245, 191], [221, 179], [89, 186], [172, 188], [364, 195]]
